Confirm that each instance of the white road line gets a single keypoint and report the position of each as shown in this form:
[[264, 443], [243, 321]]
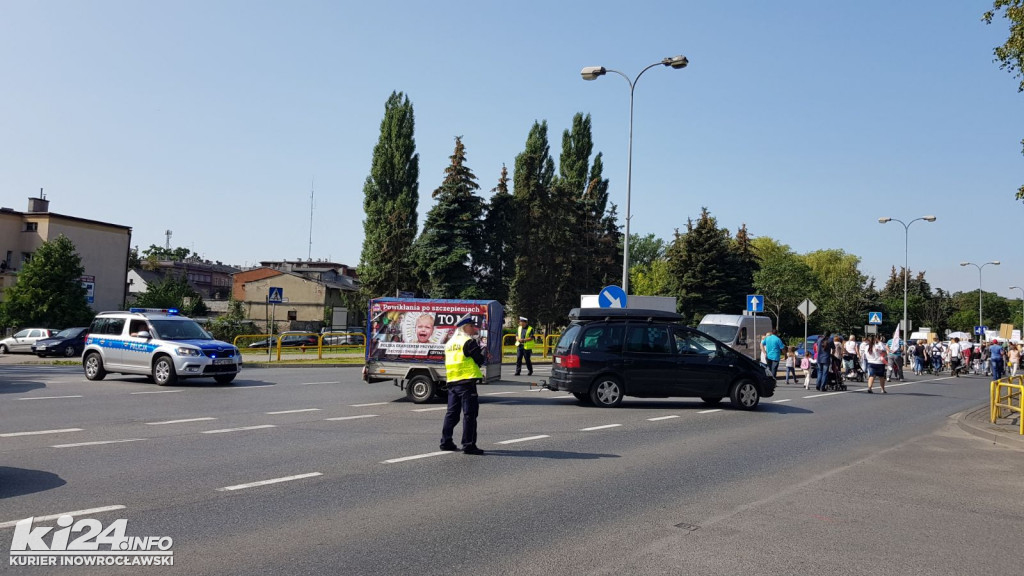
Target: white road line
[[250, 387], [96, 443], [600, 427], [710, 411], [88, 512], [295, 411], [781, 401], [824, 394], [49, 397], [527, 439], [416, 457], [430, 409], [271, 481], [158, 392], [312, 383], [352, 417], [370, 404], [180, 421], [33, 433], [501, 393], [662, 418], [239, 429]]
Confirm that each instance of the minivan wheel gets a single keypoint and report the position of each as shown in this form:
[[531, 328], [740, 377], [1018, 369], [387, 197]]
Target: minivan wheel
[[712, 400], [93, 365], [606, 392], [420, 389], [583, 397], [744, 395]]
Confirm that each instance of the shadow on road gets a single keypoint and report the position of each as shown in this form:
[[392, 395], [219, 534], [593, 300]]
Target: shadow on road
[[19, 387], [552, 454], [21, 481]]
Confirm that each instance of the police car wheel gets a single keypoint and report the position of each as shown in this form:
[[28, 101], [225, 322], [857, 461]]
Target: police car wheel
[[744, 395], [606, 392], [420, 389], [163, 372], [94, 367], [224, 378]]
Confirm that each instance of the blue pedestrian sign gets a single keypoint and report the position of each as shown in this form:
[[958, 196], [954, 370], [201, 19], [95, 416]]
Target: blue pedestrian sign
[[980, 330], [874, 318], [276, 295], [755, 303], [611, 297]]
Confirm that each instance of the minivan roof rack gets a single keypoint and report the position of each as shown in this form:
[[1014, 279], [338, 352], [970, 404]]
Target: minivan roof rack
[[623, 314]]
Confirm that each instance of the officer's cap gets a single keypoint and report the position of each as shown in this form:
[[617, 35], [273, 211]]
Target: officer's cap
[[523, 319], [467, 319]]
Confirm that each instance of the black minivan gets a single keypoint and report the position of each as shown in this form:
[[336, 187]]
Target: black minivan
[[608, 353]]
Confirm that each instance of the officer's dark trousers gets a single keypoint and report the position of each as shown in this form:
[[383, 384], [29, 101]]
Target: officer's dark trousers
[[461, 398], [521, 354]]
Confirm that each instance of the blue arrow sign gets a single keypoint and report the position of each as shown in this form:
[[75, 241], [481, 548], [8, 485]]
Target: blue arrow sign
[[276, 295], [874, 318], [980, 330], [611, 297], [755, 303]]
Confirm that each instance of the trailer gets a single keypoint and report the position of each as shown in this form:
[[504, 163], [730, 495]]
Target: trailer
[[406, 339]]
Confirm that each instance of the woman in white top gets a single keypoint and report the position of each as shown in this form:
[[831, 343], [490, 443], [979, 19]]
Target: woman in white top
[[875, 355]]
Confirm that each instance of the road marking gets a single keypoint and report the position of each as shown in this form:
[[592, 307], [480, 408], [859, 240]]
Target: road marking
[[157, 392], [250, 387], [370, 404], [239, 429], [500, 393], [352, 417], [430, 409], [180, 421], [527, 439], [49, 397], [312, 383], [295, 411], [88, 512], [33, 433], [417, 457], [824, 394], [662, 418], [97, 443], [600, 427], [781, 401], [271, 481], [710, 411]]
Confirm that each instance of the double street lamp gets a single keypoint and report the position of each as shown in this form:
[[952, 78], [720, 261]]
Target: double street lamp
[[906, 263], [592, 73], [979, 267]]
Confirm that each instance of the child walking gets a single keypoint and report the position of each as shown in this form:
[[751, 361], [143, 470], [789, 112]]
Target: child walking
[[790, 364], [805, 365]]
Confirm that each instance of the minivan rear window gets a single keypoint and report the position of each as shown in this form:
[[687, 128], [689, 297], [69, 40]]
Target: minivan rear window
[[565, 342]]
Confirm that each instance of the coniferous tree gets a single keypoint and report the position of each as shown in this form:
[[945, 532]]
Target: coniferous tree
[[49, 291], [699, 263], [391, 196], [499, 239], [450, 249]]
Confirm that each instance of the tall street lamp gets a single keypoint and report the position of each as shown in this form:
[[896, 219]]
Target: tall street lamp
[[1022, 308], [994, 263], [906, 263], [592, 73]]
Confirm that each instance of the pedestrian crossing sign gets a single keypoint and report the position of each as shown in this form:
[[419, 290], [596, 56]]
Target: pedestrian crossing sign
[[276, 295], [874, 318]]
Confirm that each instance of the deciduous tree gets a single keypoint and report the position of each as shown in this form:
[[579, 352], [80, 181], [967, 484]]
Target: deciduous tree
[[49, 291]]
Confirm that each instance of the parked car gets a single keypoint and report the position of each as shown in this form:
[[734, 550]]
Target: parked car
[[288, 339], [354, 336], [608, 353], [23, 340], [68, 343]]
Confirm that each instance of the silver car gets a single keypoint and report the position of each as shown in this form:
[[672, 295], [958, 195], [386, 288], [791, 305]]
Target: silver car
[[23, 340]]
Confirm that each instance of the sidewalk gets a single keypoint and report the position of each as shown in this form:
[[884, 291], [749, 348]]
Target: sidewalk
[[1005, 431]]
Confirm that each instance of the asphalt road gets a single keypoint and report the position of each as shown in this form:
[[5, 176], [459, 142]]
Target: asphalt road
[[811, 483]]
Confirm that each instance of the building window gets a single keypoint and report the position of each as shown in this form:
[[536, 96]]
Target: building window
[[25, 257], [292, 316], [31, 227]]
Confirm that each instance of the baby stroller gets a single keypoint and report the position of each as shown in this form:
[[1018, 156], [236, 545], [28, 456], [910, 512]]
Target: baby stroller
[[835, 381], [852, 369]]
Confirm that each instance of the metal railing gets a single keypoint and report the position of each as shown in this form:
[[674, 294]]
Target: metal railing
[[1005, 397], [268, 344]]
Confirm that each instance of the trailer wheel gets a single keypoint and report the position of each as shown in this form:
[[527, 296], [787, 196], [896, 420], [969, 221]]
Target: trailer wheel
[[420, 389]]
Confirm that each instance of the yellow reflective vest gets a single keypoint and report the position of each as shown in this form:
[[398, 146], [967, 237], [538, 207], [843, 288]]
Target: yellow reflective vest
[[526, 335], [457, 365]]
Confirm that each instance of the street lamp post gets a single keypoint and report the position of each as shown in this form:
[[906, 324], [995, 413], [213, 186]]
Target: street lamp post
[[979, 267], [592, 73], [1022, 308], [906, 262]]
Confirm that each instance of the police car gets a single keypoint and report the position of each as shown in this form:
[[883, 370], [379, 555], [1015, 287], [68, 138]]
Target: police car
[[158, 343]]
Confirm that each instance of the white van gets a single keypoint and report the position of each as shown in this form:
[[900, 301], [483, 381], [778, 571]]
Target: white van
[[741, 332]]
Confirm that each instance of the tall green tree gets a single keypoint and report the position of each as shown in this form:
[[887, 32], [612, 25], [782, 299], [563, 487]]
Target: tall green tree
[[391, 196], [499, 240], [744, 264], [1010, 54], [451, 250], [49, 291], [699, 262], [784, 280], [530, 292], [173, 291], [842, 293]]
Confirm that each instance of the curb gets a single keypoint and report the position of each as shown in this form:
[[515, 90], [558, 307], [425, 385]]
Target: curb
[[997, 437]]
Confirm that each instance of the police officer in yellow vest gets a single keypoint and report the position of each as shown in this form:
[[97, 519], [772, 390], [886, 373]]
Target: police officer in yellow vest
[[524, 345], [463, 358]]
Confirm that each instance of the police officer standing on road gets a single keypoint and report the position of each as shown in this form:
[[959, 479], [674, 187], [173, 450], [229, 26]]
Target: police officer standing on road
[[463, 358], [524, 346]]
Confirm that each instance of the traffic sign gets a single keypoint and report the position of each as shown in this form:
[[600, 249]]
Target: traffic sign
[[874, 318], [980, 330], [806, 307], [611, 297], [755, 303], [275, 295]]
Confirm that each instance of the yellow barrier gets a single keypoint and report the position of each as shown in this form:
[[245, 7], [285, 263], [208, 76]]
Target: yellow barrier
[[1002, 395], [508, 344], [333, 340]]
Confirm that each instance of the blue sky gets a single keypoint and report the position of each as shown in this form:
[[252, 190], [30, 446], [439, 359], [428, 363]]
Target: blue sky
[[806, 120]]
